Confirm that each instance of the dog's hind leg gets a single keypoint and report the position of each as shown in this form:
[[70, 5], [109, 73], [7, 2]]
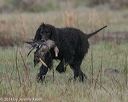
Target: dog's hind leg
[[75, 66]]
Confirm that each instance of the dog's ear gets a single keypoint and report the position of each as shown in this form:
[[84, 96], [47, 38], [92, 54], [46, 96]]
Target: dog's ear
[[53, 36], [38, 35]]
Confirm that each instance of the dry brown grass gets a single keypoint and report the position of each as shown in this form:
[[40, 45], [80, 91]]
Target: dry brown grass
[[17, 27], [115, 4], [18, 77]]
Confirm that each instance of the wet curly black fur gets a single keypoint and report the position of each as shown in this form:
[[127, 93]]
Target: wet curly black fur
[[72, 44]]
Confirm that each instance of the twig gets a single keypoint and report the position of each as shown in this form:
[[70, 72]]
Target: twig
[[17, 67], [101, 69], [53, 75], [103, 88], [26, 67], [97, 79], [92, 65], [9, 81], [126, 70]]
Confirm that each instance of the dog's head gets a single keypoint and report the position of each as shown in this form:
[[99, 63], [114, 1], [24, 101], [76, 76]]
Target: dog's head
[[44, 32]]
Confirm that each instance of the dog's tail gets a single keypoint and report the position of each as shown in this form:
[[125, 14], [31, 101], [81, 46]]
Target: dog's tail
[[91, 34]]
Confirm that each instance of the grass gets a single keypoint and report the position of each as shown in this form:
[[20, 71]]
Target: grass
[[18, 76], [20, 82], [86, 19], [17, 27]]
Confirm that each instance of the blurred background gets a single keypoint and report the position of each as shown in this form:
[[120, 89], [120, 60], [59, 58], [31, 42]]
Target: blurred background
[[52, 5], [19, 19], [106, 64]]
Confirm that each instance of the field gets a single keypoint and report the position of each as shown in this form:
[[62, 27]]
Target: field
[[106, 63], [18, 77]]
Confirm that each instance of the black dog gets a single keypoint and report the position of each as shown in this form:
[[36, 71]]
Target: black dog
[[72, 44]]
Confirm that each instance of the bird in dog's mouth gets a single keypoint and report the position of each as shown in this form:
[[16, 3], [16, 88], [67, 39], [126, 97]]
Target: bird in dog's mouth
[[42, 47]]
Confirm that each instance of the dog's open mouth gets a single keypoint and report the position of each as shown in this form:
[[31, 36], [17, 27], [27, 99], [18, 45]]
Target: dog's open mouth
[[42, 48]]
